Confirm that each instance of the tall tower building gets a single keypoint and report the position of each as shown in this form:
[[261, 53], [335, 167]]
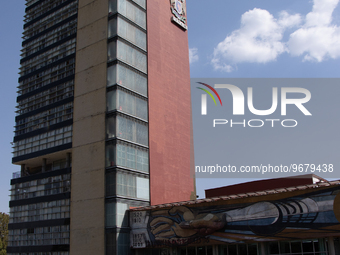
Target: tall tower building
[[103, 122]]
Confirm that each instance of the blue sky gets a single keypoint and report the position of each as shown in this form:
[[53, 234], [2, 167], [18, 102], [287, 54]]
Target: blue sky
[[243, 39], [11, 23], [258, 39], [264, 38]]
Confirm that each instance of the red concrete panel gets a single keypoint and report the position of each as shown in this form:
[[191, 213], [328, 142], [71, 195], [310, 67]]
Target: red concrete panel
[[169, 106]]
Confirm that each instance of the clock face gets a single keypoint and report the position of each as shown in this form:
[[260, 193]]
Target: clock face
[[178, 7]]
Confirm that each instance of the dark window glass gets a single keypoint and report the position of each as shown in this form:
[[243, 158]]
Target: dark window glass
[[307, 246], [232, 249], [252, 249], [274, 248], [296, 247]]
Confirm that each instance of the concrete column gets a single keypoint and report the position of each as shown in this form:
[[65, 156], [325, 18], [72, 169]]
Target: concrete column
[[87, 228], [215, 249], [68, 159], [22, 170], [262, 248], [43, 169], [331, 245]]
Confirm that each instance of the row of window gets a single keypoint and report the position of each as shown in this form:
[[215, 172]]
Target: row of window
[[125, 101], [127, 31], [41, 217], [129, 10], [29, 237], [47, 57], [126, 77], [40, 236], [42, 187], [43, 141], [316, 246], [53, 241], [40, 9], [50, 20], [47, 97], [30, 2], [41, 230], [39, 191], [42, 147], [48, 180], [44, 119], [126, 53], [127, 185], [41, 253], [47, 39], [302, 247], [113, 4], [128, 156], [50, 75], [49, 134], [127, 128], [43, 205], [59, 209], [39, 212]]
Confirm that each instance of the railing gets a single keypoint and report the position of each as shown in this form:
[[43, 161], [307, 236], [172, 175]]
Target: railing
[[16, 175]]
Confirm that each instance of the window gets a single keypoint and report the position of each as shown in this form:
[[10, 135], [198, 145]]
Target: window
[[128, 32], [130, 185], [127, 128], [132, 12], [125, 101], [128, 54], [316, 246], [128, 78]]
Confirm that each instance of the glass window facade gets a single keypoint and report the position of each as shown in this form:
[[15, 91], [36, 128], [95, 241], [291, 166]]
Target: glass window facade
[[45, 98], [127, 154], [130, 185], [40, 236], [41, 187], [127, 102], [128, 78], [314, 246], [132, 12], [43, 141], [44, 119], [116, 212], [128, 54], [40, 204], [127, 31], [127, 128], [58, 209]]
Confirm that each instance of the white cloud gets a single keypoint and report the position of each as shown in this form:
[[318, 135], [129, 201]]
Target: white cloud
[[287, 21], [317, 39], [260, 37], [257, 41], [193, 55]]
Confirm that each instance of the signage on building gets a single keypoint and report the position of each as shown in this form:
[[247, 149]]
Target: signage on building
[[179, 11]]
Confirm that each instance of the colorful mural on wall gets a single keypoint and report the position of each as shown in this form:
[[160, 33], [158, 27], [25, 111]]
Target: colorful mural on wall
[[313, 214]]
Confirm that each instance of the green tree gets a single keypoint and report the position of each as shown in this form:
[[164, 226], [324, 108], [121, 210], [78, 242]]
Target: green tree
[[4, 219]]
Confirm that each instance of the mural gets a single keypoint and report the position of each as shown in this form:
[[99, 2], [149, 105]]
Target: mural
[[312, 215]]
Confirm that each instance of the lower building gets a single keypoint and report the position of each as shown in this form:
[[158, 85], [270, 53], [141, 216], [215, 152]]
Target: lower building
[[303, 219]]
